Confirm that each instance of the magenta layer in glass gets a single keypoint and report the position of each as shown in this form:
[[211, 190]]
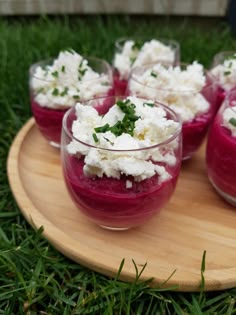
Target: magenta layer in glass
[[194, 131], [107, 201], [49, 120], [120, 85], [221, 158]]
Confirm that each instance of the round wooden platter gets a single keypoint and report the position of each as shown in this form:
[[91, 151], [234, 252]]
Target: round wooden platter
[[172, 244]]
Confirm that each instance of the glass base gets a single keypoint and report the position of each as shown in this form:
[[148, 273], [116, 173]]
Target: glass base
[[231, 200], [55, 144], [114, 228]]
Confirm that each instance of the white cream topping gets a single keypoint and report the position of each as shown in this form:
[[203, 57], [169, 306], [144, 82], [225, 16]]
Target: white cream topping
[[230, 114], [225, 73], [180, 89], [150, 52], [68, 80], [151, 127]]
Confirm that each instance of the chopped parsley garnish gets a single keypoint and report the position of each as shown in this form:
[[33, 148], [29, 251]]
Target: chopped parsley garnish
[[63, 69], [55, 74], [232, 121], [102, 128], [153, 74], [55, 92], [81, 70], [95, 137], [65, 91], [227, 72], [126, 125], [76, 97], [230, 64], [149, 104]]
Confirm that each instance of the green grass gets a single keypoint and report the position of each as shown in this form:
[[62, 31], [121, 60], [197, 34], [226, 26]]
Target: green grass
[[34, 277]]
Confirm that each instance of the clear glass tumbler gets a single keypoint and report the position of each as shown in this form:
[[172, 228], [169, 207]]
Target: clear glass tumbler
[[221, 150], [184, 101], [126, 58], [51, 97], [119, 203]]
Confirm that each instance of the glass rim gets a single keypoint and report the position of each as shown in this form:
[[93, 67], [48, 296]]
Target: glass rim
[[173, 42], [225, 53], [230, 97], [49, 60], [165, 142], [207, 74]]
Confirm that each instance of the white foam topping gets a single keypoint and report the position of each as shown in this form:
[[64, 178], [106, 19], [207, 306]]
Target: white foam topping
[[225, 73], [132, 55], [150, 128], [178, 88], [68, 80], [229, 119]]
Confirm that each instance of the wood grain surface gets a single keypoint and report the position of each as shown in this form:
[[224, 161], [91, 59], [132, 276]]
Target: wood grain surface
[[196, 219]]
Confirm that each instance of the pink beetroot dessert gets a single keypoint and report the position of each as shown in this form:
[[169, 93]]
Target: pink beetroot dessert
[[221, 160], [112, 204], [194, 133], [49, 121], [120, 85]]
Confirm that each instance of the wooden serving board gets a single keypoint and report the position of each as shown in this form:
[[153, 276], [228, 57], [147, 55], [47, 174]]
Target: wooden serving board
[[196, 219]]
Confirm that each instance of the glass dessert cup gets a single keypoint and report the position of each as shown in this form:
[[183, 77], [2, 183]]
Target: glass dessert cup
[[119, 204], [193, 130], [48, 116], [120, 84], [221, 152], [220, 90]]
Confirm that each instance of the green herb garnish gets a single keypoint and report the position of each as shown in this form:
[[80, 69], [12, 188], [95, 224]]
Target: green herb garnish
[[112, 143], [153, 74], [55, 74], [63, 69], [55, 92], [126, 125], [65, 91], [149, 104], [232, 121], [227, 72], [76, 97], [95, 137], [104, 128]]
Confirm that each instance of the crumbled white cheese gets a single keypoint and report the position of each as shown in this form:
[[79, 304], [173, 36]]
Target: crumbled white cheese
[[66, 81], [129, 184], [225, 73], [178, 88], [230, 113], [150, 52], [113, 155]]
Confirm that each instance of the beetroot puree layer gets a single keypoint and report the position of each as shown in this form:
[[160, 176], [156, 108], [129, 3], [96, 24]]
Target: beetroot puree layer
[[49, 120], [108, 202], [194, 133], [120, 85], [221, 158]]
